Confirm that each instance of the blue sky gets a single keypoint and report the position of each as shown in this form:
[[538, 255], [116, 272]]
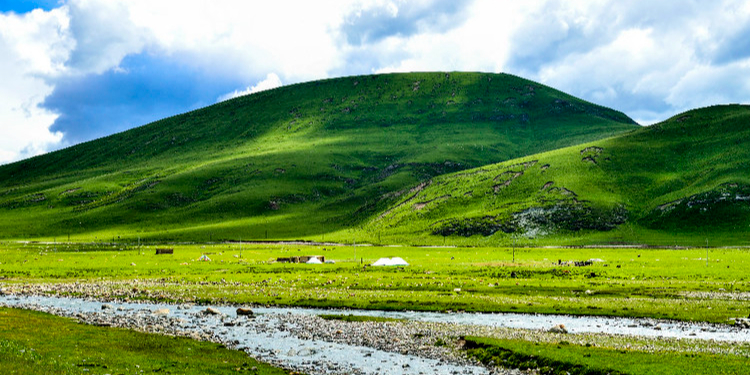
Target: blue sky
[[75, 70], [23, 6]]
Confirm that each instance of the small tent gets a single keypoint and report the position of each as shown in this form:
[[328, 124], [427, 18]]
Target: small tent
[[396, 261], [314, 260], [204, 258]]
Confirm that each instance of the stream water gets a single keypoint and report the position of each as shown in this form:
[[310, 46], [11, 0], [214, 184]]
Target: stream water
[[266, 341]]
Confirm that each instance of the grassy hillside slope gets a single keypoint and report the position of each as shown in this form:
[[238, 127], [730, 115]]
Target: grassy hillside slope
[[294, 162], [679, 182]]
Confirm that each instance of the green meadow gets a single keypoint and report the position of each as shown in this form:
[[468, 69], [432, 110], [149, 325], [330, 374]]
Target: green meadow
[[690, 284], [659, 283]]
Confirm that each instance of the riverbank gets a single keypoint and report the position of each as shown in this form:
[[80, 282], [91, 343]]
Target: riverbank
[[149, 291], [299, 340]]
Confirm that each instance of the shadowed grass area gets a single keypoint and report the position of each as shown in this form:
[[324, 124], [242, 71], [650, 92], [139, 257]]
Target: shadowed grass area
[[39, 343], [566, 358]]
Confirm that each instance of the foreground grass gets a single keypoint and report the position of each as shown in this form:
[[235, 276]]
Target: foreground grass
[[38, 343], [566, 358], [673, 284]]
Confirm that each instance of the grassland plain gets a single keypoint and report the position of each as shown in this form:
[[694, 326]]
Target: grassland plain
[[67, 347], [684, 181], [673, 284], [697, 284], [299, 161]]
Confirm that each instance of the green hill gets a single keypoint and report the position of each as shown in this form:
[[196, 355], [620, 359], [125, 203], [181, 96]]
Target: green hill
[[299, 161], [680, 182]]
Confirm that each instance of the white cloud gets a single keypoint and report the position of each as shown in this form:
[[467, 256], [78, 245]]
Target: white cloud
[[637, 56], [481, 43], [105, 33], [272, 81], [294, 39], [716, 85], [34, 47]]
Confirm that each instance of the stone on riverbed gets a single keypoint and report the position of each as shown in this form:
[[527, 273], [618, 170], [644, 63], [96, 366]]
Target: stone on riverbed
[[161, 312], [211, 311], [244, 311], [560, 328]]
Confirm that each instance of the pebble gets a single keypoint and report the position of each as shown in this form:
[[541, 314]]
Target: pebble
[[211, 311], [161, 312], [244, 311], [559, 328]]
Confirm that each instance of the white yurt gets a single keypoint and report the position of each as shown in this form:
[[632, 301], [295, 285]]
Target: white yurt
[[395, 261]]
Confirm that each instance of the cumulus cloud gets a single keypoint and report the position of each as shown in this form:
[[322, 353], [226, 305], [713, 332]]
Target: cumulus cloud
[[373, 22], [105, 33], [34, 47], [478, 41], [92, 67], [637, 56], [272, 81], [293, 39], [716, 85]]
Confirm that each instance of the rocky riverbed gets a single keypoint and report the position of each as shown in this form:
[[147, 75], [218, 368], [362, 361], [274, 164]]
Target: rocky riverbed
[[296, 341], [421, 343]]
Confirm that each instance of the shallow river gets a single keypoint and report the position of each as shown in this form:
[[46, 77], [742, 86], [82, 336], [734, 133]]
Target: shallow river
[[266, 341]]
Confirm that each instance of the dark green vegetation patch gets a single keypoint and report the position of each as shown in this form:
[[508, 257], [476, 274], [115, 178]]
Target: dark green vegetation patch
[[718, 207]]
